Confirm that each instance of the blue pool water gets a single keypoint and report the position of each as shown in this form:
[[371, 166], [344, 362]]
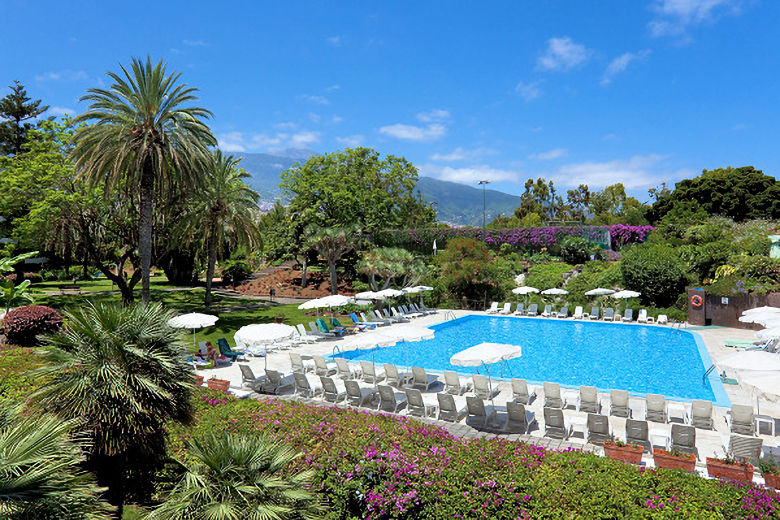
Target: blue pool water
[[640, 359]]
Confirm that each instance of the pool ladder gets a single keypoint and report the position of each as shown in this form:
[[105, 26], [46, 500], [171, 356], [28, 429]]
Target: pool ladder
[[707, 373], [449, 315]]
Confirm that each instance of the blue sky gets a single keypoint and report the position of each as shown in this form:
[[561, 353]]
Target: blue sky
[[598, 92]]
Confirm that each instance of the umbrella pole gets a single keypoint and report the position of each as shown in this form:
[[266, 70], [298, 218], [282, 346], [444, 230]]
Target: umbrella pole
[[490, 383]]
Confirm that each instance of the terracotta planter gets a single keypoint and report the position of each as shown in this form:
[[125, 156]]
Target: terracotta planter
[[199, 380], [664, 459], [718, 469], [630, 454], [772, 480], [218, 384]]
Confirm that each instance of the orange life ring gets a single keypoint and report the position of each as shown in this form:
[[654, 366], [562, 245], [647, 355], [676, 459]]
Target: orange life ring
[[696, 300]]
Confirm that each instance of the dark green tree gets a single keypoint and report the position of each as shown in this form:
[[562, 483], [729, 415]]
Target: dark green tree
[[144, 140], [332, 243], [739, 193], [612, 206], [119, 371], [16, 109]]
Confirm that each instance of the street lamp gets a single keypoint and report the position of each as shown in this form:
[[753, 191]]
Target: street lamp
[[484, 223]]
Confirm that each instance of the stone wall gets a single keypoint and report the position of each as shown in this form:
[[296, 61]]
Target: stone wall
[[725, 311]]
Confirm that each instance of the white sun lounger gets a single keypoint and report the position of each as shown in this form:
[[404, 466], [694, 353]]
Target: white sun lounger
[[493, 308]]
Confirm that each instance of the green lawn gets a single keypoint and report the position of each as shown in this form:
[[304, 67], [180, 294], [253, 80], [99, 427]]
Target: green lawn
[[97, 284]]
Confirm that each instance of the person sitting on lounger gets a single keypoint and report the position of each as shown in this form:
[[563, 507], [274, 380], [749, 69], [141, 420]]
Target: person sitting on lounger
[[212, 354]]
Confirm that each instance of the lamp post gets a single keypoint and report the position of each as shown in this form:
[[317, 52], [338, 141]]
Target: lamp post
[[484, 223]]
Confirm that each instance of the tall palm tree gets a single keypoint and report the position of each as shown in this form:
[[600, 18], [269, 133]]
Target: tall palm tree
[[119, 370], [143, 138], [40, 477], [246, 477], [225, 213], [332, 243]]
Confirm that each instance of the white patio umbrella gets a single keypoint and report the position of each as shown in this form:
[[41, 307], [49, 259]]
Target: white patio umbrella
[[625, 295], [599, 291], [259, 334], [369, 295], [753, 360], [326, 302], [761, 310], [768, 334], [555, 292], [424, 288], [366, 341], [407, 333], [193, 320], [390, 293], [485, 354], [411, 290], [767, 319], [525, 290]]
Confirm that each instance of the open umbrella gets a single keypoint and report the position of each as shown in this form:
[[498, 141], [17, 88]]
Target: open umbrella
[[485, 354], [367, 341], [625, 295], [763, 384], [407, 333], [755, 360], [369, 295], [525, 290], [767, 319], [769, 334], [555, 292], [193, 320], [390, 293], [599, 291], [761, 310], [258, 334]]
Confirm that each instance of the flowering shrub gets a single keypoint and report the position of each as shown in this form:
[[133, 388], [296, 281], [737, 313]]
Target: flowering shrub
[[525, 239], [380, 467], [23, 325]]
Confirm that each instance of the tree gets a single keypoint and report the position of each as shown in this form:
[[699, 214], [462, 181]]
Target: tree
[[355, 187], [577, 201], [654, 271], [143, 139], [468, 270], [247, 477], [120, 371], [738, 193], [389, 264], [540, 198], [16, 109], [612, 206], [225, 212], [40, 477], [332, 243]]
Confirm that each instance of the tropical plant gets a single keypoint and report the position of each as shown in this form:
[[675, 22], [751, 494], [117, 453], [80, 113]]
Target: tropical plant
[[390, 264], [40, 477], [332, 243], [143, 138], [14, 295], [656, 272], [236, 476], [225, 213], [120, 371], [575, 250]]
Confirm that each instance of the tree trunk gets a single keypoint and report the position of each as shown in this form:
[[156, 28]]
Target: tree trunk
[[212, 261], [145, 226], [124, 289], [334, 281], [304, 266]]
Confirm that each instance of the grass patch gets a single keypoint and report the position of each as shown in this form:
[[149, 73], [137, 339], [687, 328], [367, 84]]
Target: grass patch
[[97, 284]]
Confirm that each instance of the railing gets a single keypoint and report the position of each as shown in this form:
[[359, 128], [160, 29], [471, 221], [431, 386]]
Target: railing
[[449, 315], [707, 373]]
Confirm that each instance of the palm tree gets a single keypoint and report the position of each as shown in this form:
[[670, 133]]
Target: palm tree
[[245, 477], [119, 370], [143, 138], [226, 211], [332, 243], [40, 476], [389, 264]]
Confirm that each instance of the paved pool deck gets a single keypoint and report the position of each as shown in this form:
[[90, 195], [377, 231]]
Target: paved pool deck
[[709, 442]]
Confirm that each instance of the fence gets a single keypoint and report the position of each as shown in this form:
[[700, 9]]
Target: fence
[[726, 310]]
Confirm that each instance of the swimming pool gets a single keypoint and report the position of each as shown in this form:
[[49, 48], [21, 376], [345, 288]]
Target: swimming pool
[[640, 359]]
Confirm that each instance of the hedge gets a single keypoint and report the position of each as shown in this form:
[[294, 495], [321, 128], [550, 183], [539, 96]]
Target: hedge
[[380, 467], [523, 239]]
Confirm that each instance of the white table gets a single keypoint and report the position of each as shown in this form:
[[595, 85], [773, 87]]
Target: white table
[[765, 419]]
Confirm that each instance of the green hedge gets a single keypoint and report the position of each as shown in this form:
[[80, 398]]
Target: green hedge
[[389, 467]]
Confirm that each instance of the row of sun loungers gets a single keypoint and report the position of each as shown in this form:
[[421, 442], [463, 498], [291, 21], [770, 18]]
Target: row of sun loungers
[[609, 313]]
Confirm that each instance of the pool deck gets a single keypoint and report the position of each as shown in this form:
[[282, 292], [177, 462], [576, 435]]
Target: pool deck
[[709, 443]]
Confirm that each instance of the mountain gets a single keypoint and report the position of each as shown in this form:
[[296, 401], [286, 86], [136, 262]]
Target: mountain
[[456, 203]]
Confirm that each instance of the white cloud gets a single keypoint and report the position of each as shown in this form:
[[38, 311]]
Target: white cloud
[[238, 142], [435, 115], [63, 75], [414, 133], [194, 43], [315, 118], [562, 54], [529, 91], [336, 119], [334, 41], [739, 127], [332, 88], [319, 100], [286, 125], [62, 111], [351, 141], [674, 16], [469, 175], [621, 63], [461, 154], [555, 153], [639, 171]]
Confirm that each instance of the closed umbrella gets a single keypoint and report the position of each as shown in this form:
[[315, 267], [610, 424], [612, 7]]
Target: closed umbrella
[[193, 320], [485, 354]]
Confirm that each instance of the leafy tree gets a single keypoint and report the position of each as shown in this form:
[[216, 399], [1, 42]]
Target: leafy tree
[[247, 477], [612, 206], [16, 109], [143, 139], [225, 211], [355, 187], [383, 265], [332, 243], [654, 271], [575, 250], [40, 477], [540, 198], [119, 370], [467, 270], [577, 201], [739, 193]]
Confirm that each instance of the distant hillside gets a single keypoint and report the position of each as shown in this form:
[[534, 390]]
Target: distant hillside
[[455, 203]]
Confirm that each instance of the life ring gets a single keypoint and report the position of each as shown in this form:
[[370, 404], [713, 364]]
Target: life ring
[[696, 300]]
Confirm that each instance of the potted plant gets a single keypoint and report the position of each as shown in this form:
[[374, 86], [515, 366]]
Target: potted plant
[[674, 459], [770, 471], [221, 385], [619, 450], [198, 380], [729, 468]]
